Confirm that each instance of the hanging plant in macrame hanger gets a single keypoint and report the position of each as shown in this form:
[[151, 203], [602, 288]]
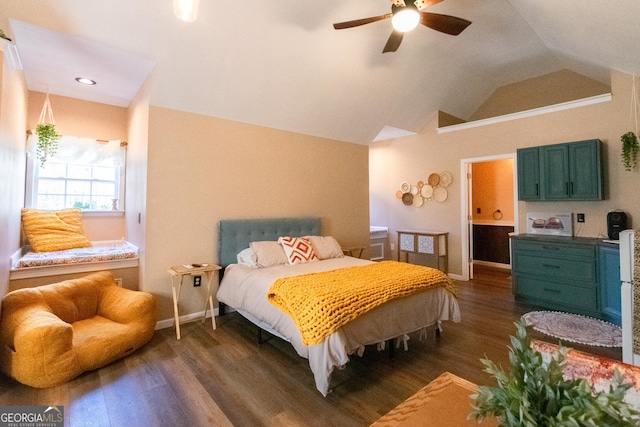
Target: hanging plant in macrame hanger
[[630, 146], [46, 132]]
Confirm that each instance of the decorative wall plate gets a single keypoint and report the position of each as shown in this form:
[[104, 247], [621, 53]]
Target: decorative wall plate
[[407, 199], [418, 201], [399, 194], [427, 191], [414, 190], [405, 187], [440, 194], [420, 184], [445, 178], [433, 179]]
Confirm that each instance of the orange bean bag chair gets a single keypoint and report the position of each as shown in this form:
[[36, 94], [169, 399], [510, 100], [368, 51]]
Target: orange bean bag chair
[[51, 334]]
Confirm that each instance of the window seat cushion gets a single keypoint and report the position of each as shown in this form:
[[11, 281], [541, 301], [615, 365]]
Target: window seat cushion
[[99, 251]]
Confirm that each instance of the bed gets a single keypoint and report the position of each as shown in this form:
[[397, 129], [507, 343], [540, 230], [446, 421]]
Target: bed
[[245, 288]]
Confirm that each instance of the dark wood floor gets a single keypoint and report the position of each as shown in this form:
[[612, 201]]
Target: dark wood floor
[[224, 378]]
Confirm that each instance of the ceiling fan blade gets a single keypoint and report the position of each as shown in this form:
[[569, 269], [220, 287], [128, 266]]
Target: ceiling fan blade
[[394, 42], [444, 23], [358, 22]]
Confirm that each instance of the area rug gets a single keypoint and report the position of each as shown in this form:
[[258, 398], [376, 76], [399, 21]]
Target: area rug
[[575, 328]]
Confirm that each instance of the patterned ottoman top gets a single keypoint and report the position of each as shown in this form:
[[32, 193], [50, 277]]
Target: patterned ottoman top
[[597, 370]]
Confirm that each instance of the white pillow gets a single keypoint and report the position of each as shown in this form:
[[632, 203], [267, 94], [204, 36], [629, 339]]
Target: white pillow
[[247, 257], [298, 249], [326, 247], [268, 253]]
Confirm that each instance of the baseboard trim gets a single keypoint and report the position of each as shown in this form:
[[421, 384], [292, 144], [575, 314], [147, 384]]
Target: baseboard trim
[[168, 323], [493, 264]]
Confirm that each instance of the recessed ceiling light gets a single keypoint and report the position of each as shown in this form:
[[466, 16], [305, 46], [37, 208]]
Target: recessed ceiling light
[[85, 81]]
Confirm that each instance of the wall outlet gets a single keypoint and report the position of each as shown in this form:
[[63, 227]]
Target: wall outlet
[[580, 217], [393, 246], [197, 280]]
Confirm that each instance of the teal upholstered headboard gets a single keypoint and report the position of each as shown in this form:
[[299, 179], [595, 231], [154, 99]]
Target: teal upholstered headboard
[[235, 235]]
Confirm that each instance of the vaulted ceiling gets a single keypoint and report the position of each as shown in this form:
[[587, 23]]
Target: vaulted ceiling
[[280, 63]]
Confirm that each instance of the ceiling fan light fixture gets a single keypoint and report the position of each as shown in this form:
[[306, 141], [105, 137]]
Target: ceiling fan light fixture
[[405, 20], [187, 10]]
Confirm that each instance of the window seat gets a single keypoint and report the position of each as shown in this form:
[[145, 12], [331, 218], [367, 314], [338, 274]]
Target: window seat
[[102, 255]]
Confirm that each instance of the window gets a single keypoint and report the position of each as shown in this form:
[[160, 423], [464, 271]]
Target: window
[[83, 173]]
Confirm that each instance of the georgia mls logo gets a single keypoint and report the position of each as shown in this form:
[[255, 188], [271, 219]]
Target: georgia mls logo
[[31, 416]]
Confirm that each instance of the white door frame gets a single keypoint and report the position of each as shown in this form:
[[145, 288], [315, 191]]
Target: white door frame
[[465, 211]]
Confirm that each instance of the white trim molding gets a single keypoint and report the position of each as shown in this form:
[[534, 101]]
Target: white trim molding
[[606, 97]]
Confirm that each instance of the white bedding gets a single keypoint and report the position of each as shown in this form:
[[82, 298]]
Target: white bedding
[[245, 289]]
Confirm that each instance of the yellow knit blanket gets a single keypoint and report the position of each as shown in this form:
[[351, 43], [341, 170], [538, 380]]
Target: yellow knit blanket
[[320, 303]]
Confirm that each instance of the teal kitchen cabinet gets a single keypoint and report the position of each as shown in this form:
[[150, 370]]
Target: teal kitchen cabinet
[[557, 273], [554, 160], [528, 174], [609, 266], [568, 171]]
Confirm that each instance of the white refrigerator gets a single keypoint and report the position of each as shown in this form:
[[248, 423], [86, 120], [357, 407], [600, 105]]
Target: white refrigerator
[[627, 263]]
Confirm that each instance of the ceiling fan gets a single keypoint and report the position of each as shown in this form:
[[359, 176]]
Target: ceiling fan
[[405, 16]]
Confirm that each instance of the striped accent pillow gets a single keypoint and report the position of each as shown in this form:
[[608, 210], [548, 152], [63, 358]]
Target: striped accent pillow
[[298, 249], [49, 231]]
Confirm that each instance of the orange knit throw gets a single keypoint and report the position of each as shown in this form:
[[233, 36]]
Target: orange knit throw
[[320, 303]]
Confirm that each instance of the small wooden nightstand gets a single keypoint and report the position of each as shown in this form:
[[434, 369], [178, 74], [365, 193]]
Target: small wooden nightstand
[[351, 250], [177, 275]]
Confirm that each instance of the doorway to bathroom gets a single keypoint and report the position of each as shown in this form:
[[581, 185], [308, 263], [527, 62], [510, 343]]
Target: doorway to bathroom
[[490, 211]]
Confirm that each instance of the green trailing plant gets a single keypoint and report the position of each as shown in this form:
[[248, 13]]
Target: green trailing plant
[[533, 393], [47, 141], [629, 150], [4, 36]]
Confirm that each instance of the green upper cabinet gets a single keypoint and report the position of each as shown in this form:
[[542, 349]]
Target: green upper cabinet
[[529, 174], [555, 170], [569, 171], [585, 170]]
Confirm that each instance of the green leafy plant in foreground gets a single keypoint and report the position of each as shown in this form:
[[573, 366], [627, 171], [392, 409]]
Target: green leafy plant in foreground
[[535, 394]]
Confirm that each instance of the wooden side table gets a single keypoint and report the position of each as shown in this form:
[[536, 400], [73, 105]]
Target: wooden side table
[[352, 250], [178, 273], [433, 244]]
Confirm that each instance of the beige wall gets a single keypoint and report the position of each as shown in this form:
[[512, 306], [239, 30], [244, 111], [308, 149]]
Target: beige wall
[[492, 190], [394, 161], [13, 109], [202, 169]]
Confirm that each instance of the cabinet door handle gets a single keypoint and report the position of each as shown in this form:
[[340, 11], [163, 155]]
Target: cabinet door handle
[[537, 193], [552, 248], [555, 291], [566, 188], [572, 187], [550, 266]]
